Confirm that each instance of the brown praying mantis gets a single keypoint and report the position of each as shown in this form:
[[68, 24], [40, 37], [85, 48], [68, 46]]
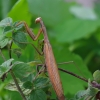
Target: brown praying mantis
[[50, 61]]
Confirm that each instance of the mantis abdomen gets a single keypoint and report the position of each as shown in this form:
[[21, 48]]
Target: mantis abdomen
[[53, 71]]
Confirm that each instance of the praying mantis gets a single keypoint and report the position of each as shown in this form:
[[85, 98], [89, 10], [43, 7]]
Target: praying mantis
[[50, 61]]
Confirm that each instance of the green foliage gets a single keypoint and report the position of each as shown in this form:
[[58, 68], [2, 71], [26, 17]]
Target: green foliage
[[86, 94], [51, 13], [19, 37], [14, 95], [83, 12], [17, 51], [20, 12], [21, 69], [7, 29], [6, 22], [5, 67], [3, 41], [6, 7], [96, 76], [41, 82], [38, 95], [27, 85], [74, 33]]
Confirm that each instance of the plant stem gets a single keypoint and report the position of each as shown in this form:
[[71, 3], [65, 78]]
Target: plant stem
[[17, 85], [73, 74]]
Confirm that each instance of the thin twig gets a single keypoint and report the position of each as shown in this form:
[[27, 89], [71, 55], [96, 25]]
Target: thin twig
[[11, 42], [73, 74], [17, 85]]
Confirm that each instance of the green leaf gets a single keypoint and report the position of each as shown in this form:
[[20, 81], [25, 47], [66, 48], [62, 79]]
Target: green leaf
[[5, 67], [52, 13], [17, 51], [90, 92], [8, 29], [75, 29], [4, 42], [19, 38], [83, 12], [96, 76], [13, 95], [38, 95], [7, 63], [12, 87], [20, 11], [28, 78], [2, 36], [16, 26], [28, 85], [41, 82], [5, 9], [79, 95], [6, 22], [21, 69]]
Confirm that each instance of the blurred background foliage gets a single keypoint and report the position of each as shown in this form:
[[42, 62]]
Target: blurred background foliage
[[74, 32]]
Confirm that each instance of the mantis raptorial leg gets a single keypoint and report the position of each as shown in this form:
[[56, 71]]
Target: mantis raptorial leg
[[50, 62]]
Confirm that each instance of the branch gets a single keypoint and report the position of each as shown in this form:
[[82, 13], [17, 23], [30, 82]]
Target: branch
[[17, 85], [73, 74]]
